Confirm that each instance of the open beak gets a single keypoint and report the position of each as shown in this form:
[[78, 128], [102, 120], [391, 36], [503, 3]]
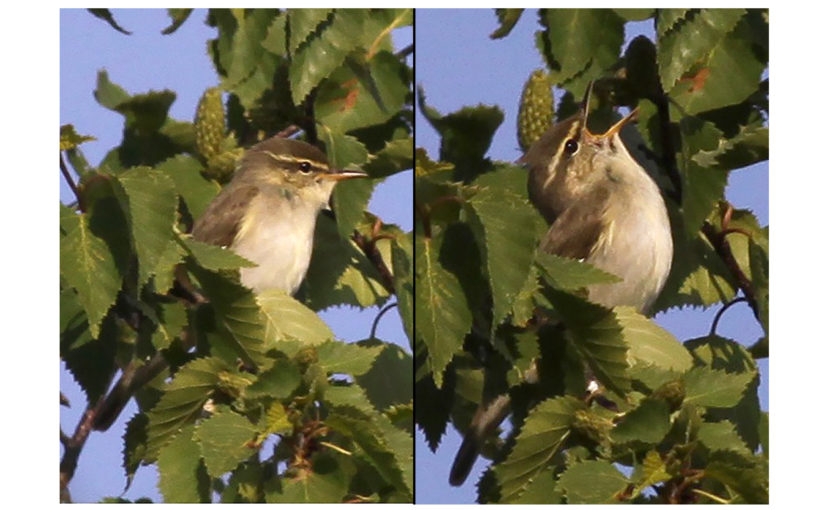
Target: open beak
[[615, 128]]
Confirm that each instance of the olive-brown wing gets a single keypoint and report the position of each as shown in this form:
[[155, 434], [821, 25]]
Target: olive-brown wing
[[220, 223]]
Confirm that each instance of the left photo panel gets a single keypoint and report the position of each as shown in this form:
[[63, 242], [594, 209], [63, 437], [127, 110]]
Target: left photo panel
[[236, 256]]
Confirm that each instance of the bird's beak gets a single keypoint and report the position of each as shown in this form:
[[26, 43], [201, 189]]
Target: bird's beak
[[615, 128], [340, 175]]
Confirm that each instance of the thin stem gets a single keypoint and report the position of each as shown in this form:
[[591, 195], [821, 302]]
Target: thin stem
[[723, 310], [68, 176], [710, 496], [722, 248], [378, 317], [368, 247]]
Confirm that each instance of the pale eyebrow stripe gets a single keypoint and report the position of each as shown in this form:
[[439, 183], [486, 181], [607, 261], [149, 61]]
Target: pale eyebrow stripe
[[286, 158], [573, 132]]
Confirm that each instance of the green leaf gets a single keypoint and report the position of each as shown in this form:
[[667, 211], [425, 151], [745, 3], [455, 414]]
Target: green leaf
[[653, 470], [182, 476], [592, 482], [714, 388], [106, 15], [501, 223], [339, 272], [584, 44], [342, 358], [507, 19], [246, 52], [279, 381], [371, 443], [197, 192], [746, 476], [543, 491], [322, 48], [650, 343], [647, 423], [107, 93], [152, 207], [544, 430], [712, 66], [569, 274], [241, 322], [687, 37], [362, 93], [728, 355], [171, 318], [764, 436], [69, 139], [402, 272], [288, 319], [225, 441], [748, 146], [350, 395], [702, 186], [167, 263], [182, 401], [178, 16], [245, 484], [722, 436], [90, 361], [213, 258], [389, 381], [442, 314], [302, 23], [87, 265], [465, 135], [312, 486], [396, 156], [598, 335], [666, 19]]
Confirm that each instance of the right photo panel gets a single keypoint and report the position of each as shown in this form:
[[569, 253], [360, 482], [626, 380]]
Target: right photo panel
[[591, 256]]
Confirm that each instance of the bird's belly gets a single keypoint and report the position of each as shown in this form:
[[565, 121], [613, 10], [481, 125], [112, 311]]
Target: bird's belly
[[641, 256], [282, 250]]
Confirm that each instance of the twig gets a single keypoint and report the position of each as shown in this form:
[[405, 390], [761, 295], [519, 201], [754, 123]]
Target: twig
[[66, 175], [374, 256], [404, 52], [722, 248], [378, 317], [288, 131], [721, 311], [73, 446]]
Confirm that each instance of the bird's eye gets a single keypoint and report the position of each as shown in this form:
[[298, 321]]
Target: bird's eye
[[305, 167], [571, 146]]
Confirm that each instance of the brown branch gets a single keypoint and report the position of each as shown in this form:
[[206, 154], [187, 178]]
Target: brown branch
[[722, 247], [722, 311], [68, 176], [288, 131], [73, 446], [374, 256]]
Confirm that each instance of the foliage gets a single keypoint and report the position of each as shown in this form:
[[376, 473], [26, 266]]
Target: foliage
[[678, 422], [245, 398]]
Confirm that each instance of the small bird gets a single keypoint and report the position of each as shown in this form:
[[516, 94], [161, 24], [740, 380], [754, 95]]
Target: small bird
[[268, 210], [267, 215], [604, 209]]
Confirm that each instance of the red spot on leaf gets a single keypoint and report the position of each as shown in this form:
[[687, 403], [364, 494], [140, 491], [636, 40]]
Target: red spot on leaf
[[697, 81]]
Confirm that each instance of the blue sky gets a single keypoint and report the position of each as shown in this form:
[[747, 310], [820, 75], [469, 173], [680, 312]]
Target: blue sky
[[143, 61], [458, 65]]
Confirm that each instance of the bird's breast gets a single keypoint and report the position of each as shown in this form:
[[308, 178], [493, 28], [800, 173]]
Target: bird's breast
[[276, 234]]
